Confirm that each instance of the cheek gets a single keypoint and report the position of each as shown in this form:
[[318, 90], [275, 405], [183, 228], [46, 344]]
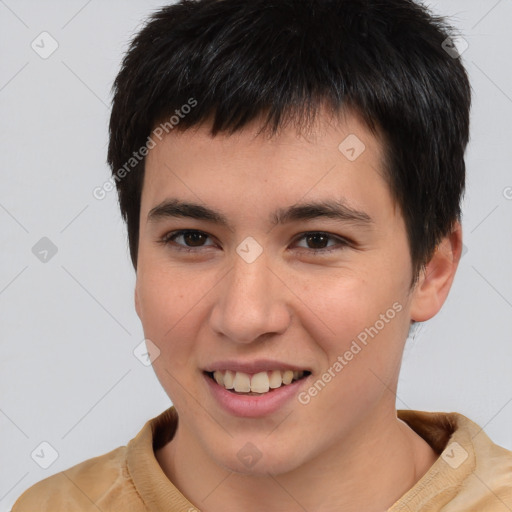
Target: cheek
[[169, 321], [360, 330], [166, 292], [351, 314], [167, 302]]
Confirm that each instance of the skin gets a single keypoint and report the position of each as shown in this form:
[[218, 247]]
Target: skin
[[345, 450]]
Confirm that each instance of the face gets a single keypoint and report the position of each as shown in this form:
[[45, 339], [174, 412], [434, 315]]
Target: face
[[263, 281]]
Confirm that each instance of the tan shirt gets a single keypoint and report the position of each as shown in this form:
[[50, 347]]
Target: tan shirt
[[472, 474]]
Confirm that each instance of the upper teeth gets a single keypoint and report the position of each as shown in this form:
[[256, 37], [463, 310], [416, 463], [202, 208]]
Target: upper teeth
[[258, 383]]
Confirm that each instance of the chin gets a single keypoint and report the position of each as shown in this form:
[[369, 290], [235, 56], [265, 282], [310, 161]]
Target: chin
[[253, 461]]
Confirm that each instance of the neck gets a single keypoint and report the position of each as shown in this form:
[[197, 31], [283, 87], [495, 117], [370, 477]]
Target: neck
[[368, 471]]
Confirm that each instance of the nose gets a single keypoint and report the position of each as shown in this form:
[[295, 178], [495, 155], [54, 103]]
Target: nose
[[250, 303]]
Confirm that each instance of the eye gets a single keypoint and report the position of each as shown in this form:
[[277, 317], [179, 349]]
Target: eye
[[192, 239], [320, 240]]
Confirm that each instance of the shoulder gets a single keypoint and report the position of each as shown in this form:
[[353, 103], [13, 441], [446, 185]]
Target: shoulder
[[96, 484], [111, 482], [472, 473], [487, 467], [493, 469]]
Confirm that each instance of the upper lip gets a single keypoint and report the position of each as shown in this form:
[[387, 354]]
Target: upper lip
[[256, 366]]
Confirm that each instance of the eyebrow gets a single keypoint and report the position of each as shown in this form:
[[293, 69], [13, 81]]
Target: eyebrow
[[333, 209]]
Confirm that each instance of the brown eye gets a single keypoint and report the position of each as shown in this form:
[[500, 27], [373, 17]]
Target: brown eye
[[319, 242], [185, 239], [194, 239]]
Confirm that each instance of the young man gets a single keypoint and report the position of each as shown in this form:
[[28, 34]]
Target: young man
[[291, 174]]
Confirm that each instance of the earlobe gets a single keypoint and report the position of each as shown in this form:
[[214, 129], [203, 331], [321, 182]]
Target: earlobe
[[436, 279]]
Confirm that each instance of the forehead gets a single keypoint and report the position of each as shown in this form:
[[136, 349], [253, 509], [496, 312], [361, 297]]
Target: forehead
[[335, 159]]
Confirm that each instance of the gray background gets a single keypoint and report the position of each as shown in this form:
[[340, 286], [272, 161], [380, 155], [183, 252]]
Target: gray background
[[68, 375]]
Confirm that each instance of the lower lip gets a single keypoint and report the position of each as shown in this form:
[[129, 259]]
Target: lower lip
[[253, 406]]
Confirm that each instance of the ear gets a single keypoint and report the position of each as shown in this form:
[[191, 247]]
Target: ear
[[436, 279]]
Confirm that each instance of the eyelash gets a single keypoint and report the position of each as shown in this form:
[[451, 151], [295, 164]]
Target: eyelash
[[168, 239]]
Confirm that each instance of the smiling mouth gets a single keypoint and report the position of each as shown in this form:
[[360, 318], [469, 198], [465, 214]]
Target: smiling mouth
[[258, 384]]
